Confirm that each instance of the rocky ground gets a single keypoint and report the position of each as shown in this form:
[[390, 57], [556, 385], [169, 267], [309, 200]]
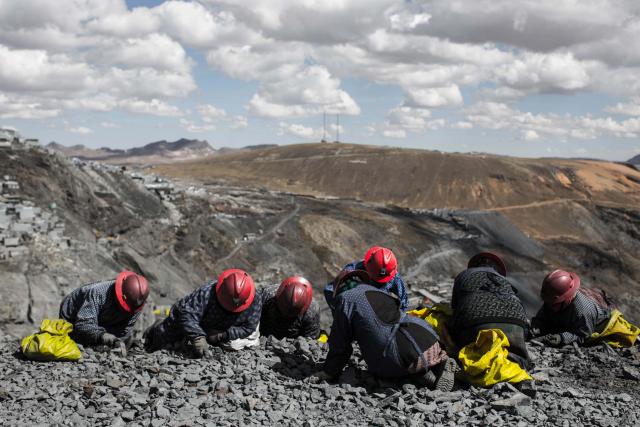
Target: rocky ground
[[268, 386]]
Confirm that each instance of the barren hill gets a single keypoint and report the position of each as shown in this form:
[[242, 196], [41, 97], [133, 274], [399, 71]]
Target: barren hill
[[419, 178], [154, 152]]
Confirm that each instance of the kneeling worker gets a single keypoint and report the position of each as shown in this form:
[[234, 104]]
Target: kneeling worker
[[289, 311], [382, 267], [219, 312], [483, 298], [393, 344], [572, 313], [105, 312]]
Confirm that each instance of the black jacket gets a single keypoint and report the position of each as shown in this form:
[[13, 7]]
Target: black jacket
[[272, 322]]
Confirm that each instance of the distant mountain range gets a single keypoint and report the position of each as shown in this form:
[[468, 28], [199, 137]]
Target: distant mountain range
[[634, 160], [154, 152]]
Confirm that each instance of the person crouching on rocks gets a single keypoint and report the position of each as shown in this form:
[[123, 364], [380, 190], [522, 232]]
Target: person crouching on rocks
[[574, 314], [289, 311], [483, 298], [382, 267], [393, 344], [223, 312], [104, 313]]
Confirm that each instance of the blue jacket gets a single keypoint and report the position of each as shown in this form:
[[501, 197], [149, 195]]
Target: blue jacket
[[94, 310], [356, 319], [394, 286], [200, 314]]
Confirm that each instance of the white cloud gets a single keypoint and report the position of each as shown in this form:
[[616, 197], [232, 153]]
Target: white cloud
[[239, 122], [192, 127], [80, 130], [631, 108], [109, 125], [462, 125], [394, 133], [499, 116], [210, 113], [154, 107], [297, 130], [530, 135]]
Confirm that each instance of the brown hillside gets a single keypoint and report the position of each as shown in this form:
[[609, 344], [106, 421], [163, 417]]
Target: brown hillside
[[419, 178]]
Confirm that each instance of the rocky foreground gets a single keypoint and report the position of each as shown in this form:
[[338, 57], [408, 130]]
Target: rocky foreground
[[268, 386]]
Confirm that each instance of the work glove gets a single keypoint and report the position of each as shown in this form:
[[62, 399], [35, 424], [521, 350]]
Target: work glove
[[552, 340], [108, 339], [216, 339], [199, 346]]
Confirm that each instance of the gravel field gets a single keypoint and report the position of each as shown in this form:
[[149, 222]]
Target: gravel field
[[268, 385]]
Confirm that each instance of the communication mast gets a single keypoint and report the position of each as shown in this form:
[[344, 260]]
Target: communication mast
[[337, 128]]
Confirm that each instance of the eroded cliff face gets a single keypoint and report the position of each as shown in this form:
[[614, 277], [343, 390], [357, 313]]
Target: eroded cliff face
[[180, 240]]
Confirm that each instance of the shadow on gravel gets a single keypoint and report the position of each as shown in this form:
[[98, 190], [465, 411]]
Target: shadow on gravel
[[296, 366]]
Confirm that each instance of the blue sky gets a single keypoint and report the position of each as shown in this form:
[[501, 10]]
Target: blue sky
[[546, 78]]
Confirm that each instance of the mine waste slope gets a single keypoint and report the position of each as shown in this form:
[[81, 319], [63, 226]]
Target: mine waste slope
[[308, 210]]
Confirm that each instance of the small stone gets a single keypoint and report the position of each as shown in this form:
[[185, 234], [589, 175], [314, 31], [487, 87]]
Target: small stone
[[162, 412], [128, 415], [624, 397], [627, 372]]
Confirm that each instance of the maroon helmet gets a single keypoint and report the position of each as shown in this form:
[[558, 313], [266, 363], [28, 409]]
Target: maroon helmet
[[132, 291], [559, 288], [235, 290], [381, 264], [488, 259], [294, 296]]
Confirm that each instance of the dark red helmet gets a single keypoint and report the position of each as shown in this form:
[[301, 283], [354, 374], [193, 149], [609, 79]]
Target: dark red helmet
[[487, 259], [235, 290], [294, 296], [132, 291], [559, 288], [381, 264]]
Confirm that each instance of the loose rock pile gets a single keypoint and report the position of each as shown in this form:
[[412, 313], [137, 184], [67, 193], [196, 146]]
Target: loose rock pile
[[268, 386]]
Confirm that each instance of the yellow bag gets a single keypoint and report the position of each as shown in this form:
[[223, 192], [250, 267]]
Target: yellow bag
[[485, 362], [51, 343], [618, 332], [323, 338], [436, 316]]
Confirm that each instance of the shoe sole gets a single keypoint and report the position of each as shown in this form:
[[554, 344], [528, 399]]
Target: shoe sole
[[447, 378]]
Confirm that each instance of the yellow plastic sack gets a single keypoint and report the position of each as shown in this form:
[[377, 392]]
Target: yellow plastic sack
[[436, 316], [323, 338], [618, 332], [51, 343], [485, 362]]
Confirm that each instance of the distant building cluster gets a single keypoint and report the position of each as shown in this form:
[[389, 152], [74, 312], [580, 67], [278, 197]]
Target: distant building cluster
[[11, 139], [21, 220]]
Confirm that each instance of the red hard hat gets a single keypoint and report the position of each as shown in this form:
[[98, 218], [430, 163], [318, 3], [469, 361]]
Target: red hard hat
[[294, 296], [559, 288], [489, 259], [132, 291], [381, 264], [235, 290]]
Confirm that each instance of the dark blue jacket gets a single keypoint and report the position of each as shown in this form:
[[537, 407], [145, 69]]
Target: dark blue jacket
[[94, 310], [200, 314], [356, 319], [394, 286]]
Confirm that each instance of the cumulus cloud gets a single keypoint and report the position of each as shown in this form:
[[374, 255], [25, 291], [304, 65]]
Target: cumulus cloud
[[99, 55], [154, 107]]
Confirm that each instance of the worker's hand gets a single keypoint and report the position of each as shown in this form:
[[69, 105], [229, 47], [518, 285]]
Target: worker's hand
[[319, 377], [199, 346], [552, 340], [108, 339], [218, 338]]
